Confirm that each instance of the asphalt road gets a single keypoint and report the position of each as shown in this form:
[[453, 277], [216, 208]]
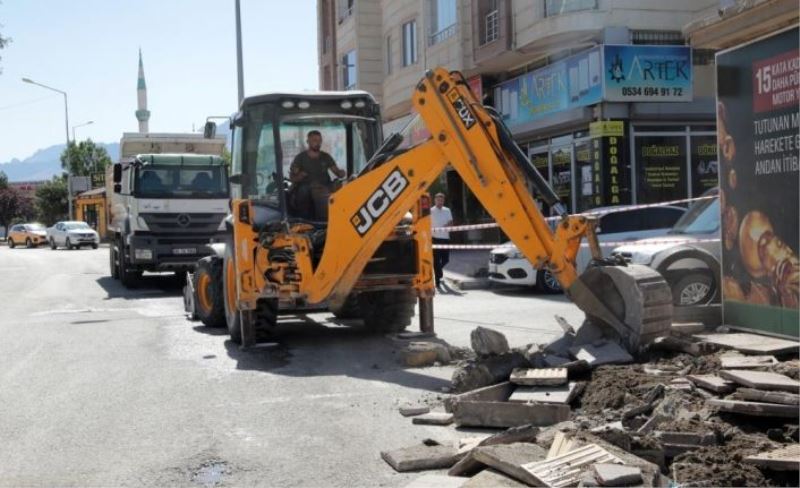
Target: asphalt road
[[103, 386]]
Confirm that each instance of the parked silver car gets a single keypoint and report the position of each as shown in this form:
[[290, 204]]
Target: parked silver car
[[72, 235]]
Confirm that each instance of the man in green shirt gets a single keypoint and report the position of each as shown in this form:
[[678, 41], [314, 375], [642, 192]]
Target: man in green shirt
[[310, 171]]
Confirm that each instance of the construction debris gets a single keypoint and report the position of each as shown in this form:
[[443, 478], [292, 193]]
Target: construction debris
[[756, 408], [608, 474], [434, 418], [539, 377], [487, 371], [421, 457], [489, 407], [762, 380], [418, 354], [488, 342], [565, 470], [751, 343], [605, 352], [768, 396], [489, 478], [783, 459], [412, 410], [437, 481], [730, 361], [509, 458], [712, 382], [546, 394]]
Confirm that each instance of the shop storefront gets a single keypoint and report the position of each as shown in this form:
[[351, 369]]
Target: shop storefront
[[90, 207]]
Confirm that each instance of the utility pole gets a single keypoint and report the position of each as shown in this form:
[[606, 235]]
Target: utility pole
[[239, 67]]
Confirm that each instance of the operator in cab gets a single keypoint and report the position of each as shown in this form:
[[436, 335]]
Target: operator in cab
[[309, 174]]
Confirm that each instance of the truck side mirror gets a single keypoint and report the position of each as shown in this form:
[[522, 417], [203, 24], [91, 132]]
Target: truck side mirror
[[117, 188], [117, 173], [210, 130]]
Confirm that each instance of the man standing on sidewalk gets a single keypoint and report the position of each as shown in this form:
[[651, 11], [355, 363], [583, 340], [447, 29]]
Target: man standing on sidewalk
[[440, 217]]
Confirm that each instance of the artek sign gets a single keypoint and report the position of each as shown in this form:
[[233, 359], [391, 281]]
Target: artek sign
[[379, 201]]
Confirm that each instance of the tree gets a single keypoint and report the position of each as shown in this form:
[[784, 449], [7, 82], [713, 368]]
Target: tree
[[3, 180], [11, 202], [3, 43], [51, 201], [85, 158]]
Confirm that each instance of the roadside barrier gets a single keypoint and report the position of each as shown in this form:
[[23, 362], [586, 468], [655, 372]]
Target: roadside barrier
[[493, 225]]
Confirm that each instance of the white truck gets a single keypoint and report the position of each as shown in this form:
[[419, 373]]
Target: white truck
[[168, 198]]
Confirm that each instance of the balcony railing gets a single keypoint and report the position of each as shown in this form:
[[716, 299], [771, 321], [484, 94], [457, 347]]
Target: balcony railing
[[443, 34], [491, 27]]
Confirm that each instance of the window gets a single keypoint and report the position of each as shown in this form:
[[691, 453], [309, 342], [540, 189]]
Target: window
[[490, 22], [443, 20], [388, 55], [349, 70], [657, 37], [346, 9], [558, 7], [410, 43]]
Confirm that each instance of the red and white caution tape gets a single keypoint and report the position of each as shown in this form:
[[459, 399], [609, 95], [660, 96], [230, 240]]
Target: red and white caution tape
[[583, 244]]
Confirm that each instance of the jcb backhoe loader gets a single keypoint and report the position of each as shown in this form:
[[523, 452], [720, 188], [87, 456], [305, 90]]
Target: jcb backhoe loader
[[370, 260]]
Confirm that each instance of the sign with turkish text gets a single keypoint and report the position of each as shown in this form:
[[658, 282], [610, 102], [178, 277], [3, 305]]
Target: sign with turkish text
[[637, 73]]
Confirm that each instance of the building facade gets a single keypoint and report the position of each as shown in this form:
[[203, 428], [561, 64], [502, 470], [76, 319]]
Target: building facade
[[605, 96]]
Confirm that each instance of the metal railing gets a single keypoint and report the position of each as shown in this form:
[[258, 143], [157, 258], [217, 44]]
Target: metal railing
[[443, 34]]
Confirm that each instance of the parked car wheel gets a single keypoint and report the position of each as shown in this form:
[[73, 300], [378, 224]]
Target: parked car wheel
[[53, 245], [546, 282], [11, 243], [28, 243], [94, 246], [693, 289]]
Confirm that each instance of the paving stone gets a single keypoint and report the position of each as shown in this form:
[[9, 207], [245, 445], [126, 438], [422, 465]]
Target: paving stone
[[609, 474], [712, 382], [508, 414], [546, 394], [509, 458], [751, 343], [412, 410], [489, 478], [539, 377], [421, 457], [466, 466], [488, 342], [756, 408], [762, 380], [523, 433], [784, 459], [434, 418], [437, 481], [565, 470], [605, 353], [746, 362], [768, 396]]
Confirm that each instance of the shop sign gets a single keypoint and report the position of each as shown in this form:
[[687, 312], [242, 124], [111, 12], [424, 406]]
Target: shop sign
[[606, 128], [661, 168], [637, 73], [98, 179], [572, 82], [758, 133]]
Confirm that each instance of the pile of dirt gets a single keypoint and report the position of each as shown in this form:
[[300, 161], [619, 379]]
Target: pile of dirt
[[722, 465]]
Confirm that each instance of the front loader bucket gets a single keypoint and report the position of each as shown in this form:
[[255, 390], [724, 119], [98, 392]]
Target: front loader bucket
[[633, 300]]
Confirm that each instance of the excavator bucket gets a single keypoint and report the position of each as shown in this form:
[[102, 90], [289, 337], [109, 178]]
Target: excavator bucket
[[634, 300]]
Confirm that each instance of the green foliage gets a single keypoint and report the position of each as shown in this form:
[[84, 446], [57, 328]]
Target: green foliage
[[51, 201], [12, 204], [85, 158], [3, 180], [3, 43]]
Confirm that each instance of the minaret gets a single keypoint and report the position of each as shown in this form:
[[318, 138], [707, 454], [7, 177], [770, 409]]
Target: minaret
[[142, 114]]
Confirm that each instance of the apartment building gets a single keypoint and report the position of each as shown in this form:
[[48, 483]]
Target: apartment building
[[605, 96]]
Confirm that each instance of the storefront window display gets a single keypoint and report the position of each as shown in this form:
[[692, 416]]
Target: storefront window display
[[561, 179]]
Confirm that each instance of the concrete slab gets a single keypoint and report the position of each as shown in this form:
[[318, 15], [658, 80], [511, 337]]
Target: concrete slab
[[509, 458], [539, 377], [762, 380], [605, 353], [756, 408], [609, 474], [508, 414], [783, 459], [565, 470], [546, 394], [523, 433], [466, 466], [489, 478], [421, 457], [746, 362], [751, 343], [768, 396], [437, 481], [554, 361], [687, 328], [434, 418], [412, 410], [712, 382]]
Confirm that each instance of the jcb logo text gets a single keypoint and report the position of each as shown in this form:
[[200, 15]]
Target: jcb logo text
[[377, 203]]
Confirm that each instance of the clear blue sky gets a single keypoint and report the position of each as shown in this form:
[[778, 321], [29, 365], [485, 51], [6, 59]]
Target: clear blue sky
[[89, 49]]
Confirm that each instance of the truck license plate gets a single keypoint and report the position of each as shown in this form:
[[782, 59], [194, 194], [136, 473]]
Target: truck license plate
[[184, 251]]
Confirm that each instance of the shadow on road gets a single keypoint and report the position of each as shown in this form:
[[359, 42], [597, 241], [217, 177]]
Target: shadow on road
[[306, 347], [146, 287]]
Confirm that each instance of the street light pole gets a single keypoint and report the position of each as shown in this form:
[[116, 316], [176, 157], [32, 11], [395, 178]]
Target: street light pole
[[74, 139], [239, 67], [66, 131]]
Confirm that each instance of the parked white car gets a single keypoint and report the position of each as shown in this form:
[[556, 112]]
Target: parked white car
[[72, 235], [691, 265], [507, 264]]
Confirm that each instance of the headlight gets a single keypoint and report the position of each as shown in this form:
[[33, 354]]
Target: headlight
[[143, 254], [515, 254], [644, 258]]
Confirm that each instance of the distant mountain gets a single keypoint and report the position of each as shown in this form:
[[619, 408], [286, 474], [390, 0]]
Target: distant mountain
[[45, 163]]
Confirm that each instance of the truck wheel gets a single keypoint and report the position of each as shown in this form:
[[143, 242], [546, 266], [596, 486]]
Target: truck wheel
[[387, 310], [112, 259], [232, 316], [349, 309], [208, 291], [127, 277]]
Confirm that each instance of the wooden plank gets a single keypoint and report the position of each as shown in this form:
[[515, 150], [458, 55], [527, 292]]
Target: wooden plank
[[545, 394], [539, 377], [783, 459], [746, 362], [762, 380], [756, 408], [508, 414], [751, 343], [768, 396], [712, 383]]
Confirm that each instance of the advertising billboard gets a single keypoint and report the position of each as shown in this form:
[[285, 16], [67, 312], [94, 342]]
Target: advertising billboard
[[637, 73], [758, 137]]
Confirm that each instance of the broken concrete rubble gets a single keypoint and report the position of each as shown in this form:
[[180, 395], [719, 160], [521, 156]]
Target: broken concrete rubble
[[604, 352], [539, 376], [546, 394], [488, 342], [489, 478], [437, 481], [609, 474], [486, 371], [768, 396], [509, 458], [421, 457], [417, 354], [756, 408], [762, 380], [412, 410], [434, 418]]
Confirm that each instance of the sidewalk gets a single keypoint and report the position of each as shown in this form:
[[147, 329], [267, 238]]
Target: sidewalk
[[468, 269]]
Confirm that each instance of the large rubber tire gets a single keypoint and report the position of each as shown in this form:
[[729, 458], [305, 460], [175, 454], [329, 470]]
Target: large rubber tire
[[53, 244], [546, 282], [113, 267], [127, 277], [209, 301], [692, 290], [11, 243], [232, 316], [349, 309], [28, 243], [387, 310], [68, 245]]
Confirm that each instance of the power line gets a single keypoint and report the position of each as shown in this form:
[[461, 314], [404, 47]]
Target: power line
[[27, 102]]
